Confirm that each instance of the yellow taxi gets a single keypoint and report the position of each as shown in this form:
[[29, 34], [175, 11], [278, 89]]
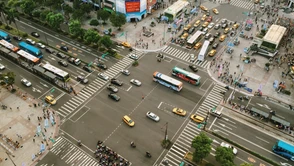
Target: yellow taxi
[[212, 52], [222, 38], [235, 26], [198, 45], [187, 27], [184, 36], [50, 100], [203, 8], [205, 24], [197, 118], [179, 111], [197, 23], [203, 17], [126, 44], [128, 121], [227, 30], [215, 11]]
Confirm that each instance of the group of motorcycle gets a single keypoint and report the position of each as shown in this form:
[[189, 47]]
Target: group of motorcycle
[[148, 154]]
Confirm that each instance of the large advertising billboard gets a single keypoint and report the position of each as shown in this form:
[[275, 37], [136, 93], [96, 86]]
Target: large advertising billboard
[[132, 6]]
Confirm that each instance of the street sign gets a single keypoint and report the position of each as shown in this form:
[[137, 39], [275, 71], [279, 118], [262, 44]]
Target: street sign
[[122, 34], [105, 54], [90, 64], [52, 90]]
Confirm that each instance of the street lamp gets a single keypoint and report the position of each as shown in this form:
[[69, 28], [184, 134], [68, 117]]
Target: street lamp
[[126, 36], [9, 156]]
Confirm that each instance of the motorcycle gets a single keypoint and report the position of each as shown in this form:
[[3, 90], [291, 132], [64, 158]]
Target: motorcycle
[[4, 107], [79, 143], [148, 155], [257, 94], [133, 144]]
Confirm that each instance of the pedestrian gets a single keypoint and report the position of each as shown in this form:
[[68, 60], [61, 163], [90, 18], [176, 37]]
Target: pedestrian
[[29, 117], [45, 129], [34, 140], [17, 108], [143, 97]]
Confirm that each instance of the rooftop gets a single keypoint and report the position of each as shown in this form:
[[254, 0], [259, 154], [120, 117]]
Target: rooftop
[[274, 34]]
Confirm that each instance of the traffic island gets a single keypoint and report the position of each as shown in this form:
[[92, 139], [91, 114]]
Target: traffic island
[[189, 158], [166, 143], [135, 63]]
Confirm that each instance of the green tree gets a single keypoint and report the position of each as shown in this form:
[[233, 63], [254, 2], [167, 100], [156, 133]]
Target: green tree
[[202, 146], [105, 40], [91, 36], [225, 156], [44, 14], [28, 6], [103, 15], [3, 10], [8, 78], [117, 20], [76, 4], [67, 11], [94, 22], [75, 28], [12, 14], [78, 14], [86, 8], [54, 20], [14, 3], [246, 164]]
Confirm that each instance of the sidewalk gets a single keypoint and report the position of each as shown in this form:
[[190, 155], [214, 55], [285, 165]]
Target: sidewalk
[[19, 123]]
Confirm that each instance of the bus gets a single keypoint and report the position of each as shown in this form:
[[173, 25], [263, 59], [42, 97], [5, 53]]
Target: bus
[[203, 51], [61, 75], [175, 10], [8, 45], [194, 39], [5, 36], [167, 81], [28, 57], [31, 49], [284, 149], [185, 75]]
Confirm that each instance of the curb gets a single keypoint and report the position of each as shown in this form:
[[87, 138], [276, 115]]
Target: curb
[[154, 50]]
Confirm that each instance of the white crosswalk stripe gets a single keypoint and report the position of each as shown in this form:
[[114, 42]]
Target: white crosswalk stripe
[[184, 56], [95, 85], [243, 4], [183, 143]]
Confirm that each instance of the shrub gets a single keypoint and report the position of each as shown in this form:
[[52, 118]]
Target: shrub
[[94, 22], [287, 92], [135, 63], [36, 13], [101, 49], [25, 35]]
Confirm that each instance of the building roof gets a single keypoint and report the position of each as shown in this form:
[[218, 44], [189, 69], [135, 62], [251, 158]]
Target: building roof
[[176, 7], [274, 34]]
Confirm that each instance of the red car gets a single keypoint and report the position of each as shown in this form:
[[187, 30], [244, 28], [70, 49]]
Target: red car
[[209, 19]]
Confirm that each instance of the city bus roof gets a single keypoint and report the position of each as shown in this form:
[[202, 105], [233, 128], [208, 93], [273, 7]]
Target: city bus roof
[[286, 146], [176, 7], [29, 47], [165, 77], [194, 37], [54, 69], [27, 56], [9, 45]]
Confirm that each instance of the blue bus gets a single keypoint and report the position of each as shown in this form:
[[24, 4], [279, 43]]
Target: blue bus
[[5, 36], [284, 149], [31, 49]]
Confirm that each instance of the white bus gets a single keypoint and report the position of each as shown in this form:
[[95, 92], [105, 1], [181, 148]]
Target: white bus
[[176, 9], [8, 45], [203, 51], [194, 39], [167, 81], [31, 59], [62, 75]]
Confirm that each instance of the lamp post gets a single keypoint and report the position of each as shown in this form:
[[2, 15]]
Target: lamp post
[[126, 36], [9, 157]]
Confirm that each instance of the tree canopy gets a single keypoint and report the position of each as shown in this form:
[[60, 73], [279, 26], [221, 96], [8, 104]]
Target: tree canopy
[[54, 20], [202, 146], [225, 156], [28, 6], [103, 15], [105, 40], [91, 36], [75, 28], [117, 19]]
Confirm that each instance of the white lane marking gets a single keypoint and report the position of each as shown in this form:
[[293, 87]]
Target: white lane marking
[[262, 139]]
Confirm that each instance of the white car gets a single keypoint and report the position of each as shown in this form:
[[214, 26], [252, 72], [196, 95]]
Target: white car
[[126, 72], [40, 45], [211, 25], [2, 67], [192, 57], [136, 82], [152, 116], [133, 56], [30, 41], [226, 145], [26, 82], [103, 76]]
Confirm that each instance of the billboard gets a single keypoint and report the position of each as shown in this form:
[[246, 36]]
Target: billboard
[[132, 6]]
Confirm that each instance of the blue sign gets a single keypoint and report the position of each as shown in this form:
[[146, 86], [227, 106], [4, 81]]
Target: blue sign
[[42, 147], [39, 129]]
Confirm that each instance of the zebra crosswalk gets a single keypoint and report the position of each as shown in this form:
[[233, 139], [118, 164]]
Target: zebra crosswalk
[[184, 56], [243, 4], [183, 143], [95, 85]]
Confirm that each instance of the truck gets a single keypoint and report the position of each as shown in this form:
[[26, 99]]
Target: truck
[[74, 61]]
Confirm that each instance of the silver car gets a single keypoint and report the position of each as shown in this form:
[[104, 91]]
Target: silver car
[[126, 72], [136, 82], [103, 76], [26, 82], [152, 116], [134, 56], [2, 67]]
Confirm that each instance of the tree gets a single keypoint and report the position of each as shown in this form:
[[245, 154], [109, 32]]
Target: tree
[[202, 146], [14, 3], [103, 15], [78, 14], [246, 164], [75, 28], [3, 10], [76, 4], [94, 22], [8, 78], [225, 156], [86, 8], [118, 20], [12, 14], [54, 20], [105, 40], [28, 6], [67, 11], [91, 36], [44, 14]]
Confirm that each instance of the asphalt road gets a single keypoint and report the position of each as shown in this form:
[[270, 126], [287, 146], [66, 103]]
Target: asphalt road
[[101, 117], [245, 134]]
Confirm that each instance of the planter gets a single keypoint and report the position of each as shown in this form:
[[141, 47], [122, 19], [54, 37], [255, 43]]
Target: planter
[[135, 64], [166, 143]]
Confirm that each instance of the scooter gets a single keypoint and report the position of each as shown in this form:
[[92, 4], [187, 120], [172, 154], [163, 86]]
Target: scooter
[[148, 155], [79, 143], [133, 145]]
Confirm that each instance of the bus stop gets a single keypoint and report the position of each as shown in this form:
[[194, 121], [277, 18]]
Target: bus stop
[[258, 112], [280, 121]]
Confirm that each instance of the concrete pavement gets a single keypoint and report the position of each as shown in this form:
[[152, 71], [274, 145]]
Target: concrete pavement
[[19, 123]]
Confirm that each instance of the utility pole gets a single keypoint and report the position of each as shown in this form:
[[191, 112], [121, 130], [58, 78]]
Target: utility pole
[[164, 34], [126, 36], [10, 158], [165, 134]]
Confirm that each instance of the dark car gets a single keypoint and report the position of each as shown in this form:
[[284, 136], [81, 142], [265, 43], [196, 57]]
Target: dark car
[[87, 68], [35, 34], [63, 63], [82, 79], [216, 35], [116, 82], [60, 55], [112, 88], [215, 45], [114, 96], [193, 67], [224, 26], [102, 66], [201, 28], [49, 50], [211, 40], [207, 13], [18, 38], [191, 30], [64, 48]]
